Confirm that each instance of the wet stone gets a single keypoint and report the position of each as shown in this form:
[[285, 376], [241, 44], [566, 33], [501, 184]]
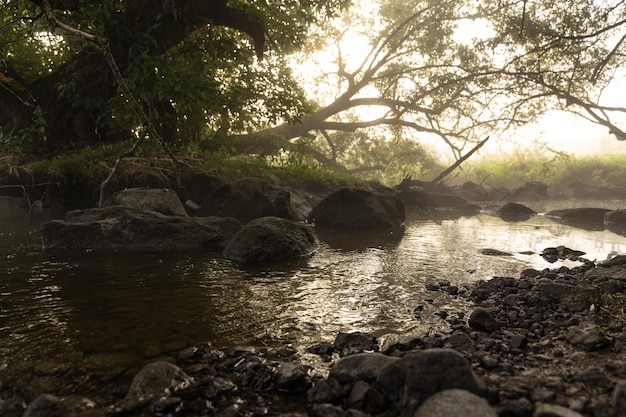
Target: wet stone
[[482, 320]]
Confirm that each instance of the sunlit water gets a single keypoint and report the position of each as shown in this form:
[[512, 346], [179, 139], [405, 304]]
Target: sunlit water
[[85, 323]]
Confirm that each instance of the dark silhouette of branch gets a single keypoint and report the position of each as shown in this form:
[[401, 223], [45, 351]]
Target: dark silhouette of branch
[[462, 159]]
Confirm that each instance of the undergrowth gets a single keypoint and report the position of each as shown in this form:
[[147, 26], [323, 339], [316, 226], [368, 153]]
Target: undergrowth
[[149, 161], [514, 170]]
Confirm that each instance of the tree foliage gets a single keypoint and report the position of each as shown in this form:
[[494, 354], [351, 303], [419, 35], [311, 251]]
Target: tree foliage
[[194, 65], [461, 71], [393, 74]]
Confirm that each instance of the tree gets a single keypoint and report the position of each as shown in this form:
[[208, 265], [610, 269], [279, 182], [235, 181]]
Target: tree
[[425, 74], [428, 75], [190, 62]]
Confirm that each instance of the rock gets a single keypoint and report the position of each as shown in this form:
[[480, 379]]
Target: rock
[[361, 366], [571, 297], [327, 390], [512, 212], [616, 260], [494, 252], [250, 198], [118, 227], [161, 200], [326, 410], [454, 403], [46, 405], [531, 191], [292, 377], [518, 341], [588, 337], [269, 239], [461, 342], [561, 252], [593, 377], [615, 221], [618, 400], [156, 379], [408, 382], [358, 209], [482, 320], [355, 342], [472, 191], [515, 408], [587, 218], [596, 192], [429, 200], [216, 386], [550, 410], [485, 289]]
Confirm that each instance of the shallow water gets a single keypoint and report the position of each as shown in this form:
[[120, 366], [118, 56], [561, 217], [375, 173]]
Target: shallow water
[[84, 323]]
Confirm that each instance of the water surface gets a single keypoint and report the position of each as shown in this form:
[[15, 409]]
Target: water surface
[[84, 323]]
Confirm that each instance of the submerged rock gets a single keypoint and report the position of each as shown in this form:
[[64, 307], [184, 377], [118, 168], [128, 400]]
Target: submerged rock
[[270, 239], [118, 227]]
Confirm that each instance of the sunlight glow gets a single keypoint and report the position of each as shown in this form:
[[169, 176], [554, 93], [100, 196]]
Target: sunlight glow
[[470, 30]]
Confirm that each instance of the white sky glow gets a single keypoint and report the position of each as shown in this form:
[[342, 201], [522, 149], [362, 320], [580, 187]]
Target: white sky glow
[[562, 131]]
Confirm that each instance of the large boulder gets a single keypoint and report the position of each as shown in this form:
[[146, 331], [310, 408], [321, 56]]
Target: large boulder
[[119, 227], [358, 209], [588, 218], [408, 382], [249, 198], [270, 239], [161, 200], [512, 212]]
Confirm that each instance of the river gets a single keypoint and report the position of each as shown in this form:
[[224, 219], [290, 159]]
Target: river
[[85, 323]]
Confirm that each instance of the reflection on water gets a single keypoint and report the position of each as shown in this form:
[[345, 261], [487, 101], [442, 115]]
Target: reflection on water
[[85, 323]]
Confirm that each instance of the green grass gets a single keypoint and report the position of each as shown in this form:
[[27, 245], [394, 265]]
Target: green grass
[[150, 162], [515, 170]]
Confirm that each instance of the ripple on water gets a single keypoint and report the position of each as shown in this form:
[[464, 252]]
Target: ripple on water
[[104, 315]]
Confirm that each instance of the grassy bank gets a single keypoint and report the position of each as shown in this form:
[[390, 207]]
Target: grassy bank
[[85, 170], [556, 170], [76, 177]]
